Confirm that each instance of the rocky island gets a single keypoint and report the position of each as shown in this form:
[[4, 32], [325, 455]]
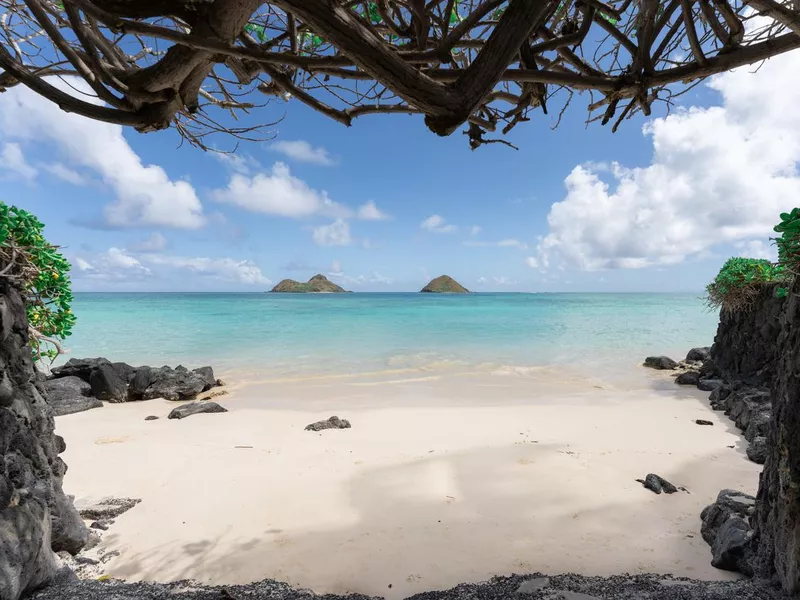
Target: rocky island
[[318, 284], [444, 285]]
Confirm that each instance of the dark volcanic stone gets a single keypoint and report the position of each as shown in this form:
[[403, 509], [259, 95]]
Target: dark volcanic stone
[[728, 503], [79, 367], [703, 422], [108, 508], [758, 425], [699, 354], [124, 370], [757, 450], [656, 483], [141, 380], [36, 516], [709, 385], [173, 384], [330, 423], [207, 375], [108, 385], [663, 363], [688, 378], [732, 548], [68, 395], [150, 418], [195, 408]]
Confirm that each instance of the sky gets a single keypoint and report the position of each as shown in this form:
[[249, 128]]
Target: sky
[[385, 205]]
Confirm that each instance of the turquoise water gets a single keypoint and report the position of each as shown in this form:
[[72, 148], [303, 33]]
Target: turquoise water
[[293, 334]]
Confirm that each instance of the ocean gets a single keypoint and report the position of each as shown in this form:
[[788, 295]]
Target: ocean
[[298, 335]]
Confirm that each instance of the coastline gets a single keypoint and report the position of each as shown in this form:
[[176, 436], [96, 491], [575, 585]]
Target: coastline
[[441, 480]]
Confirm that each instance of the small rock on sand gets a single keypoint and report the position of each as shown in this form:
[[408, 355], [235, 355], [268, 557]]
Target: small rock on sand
[[332, 423], [195, 408], [151, 418], [656, 483], [108, 508], [703, 422], [662, 363]]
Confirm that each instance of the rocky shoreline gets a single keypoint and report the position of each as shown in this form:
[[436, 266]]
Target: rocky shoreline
[[85, 383], [534, 586]]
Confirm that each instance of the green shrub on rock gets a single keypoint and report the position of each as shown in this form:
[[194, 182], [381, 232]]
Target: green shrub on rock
[[789, 245], [739, 282], [41, 272]]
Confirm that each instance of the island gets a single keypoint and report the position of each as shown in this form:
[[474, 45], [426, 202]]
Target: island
[[444, 285], [318, 284]]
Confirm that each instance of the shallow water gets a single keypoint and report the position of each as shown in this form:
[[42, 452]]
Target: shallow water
[[304, 335]]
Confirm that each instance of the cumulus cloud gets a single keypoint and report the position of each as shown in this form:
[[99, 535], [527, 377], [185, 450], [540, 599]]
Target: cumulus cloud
[[758, 249], [13, 163], [437, 224], [719, 175], [64, 173], [475, 230], [123, 265], [222, 269], [302, 151], [145, 195], [335, 234], [155, 242], [370, 212], [278, 192]]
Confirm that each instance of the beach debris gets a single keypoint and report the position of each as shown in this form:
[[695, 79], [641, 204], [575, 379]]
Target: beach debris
[[107, 508], [703, 422], [661, 363], [656, 483], [688, 378], [195, 408], [333, 422], [212, 394], [150, 418]]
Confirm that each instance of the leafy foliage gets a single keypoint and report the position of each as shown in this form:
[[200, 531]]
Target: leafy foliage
[[740, 281], [788, 245], [42, 274]]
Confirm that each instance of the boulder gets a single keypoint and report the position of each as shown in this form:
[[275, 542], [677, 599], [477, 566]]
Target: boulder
[[173, 384], [709, 385], [699, 354], [732, 547], [139, 383], [124, 370], [661, 363], [107, 384], [656, 483], [728, 503], [68, 395], [195, 408], [330, 423], [758, 425], [757, 450], [688, 378], [79, 367], [34, 511], [719, 395], [207, 375]]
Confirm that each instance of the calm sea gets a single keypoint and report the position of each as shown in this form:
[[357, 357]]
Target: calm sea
[[300, 334]]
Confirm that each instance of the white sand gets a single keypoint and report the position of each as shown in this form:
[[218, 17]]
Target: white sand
[[440, 481]]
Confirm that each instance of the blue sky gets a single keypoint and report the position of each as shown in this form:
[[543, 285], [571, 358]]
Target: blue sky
[[386, 205]]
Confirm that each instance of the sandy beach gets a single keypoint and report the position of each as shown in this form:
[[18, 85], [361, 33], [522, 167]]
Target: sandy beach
[[442, 479]]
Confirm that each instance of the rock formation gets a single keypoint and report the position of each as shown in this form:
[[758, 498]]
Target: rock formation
[[318, 284], [36, 517], [444, 285], [83, 383]]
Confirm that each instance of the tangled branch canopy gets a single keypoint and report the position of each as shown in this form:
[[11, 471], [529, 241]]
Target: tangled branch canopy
[[489, 64]]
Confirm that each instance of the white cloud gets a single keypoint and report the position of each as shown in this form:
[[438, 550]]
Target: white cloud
[[508, 243], [82, 265], [482, 279], [336, 269], [304, 152], [335, 234], [278, 193], [758, 249], [437, 224], [475, 230], [13, 163], [719, 175], [370, 212], [240, 163], [155, 242], [223, 269], [145, 195], [64, 173]]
